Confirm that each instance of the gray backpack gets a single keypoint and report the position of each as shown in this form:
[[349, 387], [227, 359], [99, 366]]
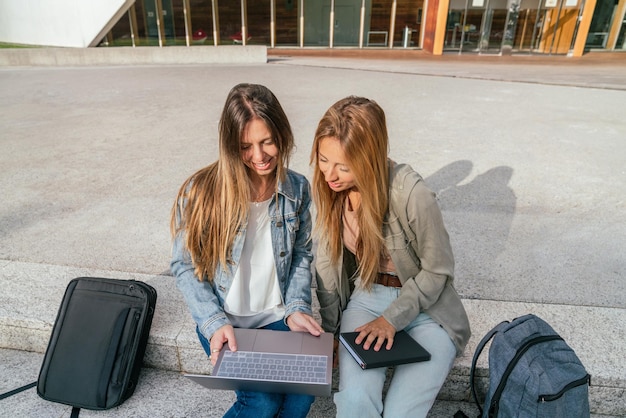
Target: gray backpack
[[532, 373]]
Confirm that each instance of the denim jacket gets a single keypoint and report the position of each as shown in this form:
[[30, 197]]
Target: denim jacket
[[290, 221]]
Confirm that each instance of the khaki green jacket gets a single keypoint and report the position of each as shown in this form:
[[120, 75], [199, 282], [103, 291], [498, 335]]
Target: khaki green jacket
[[420, 249]]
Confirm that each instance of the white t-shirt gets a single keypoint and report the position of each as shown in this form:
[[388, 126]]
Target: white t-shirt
[[254, 299]]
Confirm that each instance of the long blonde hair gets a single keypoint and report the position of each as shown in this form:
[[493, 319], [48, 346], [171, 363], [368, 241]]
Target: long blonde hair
[[212, 204], [360, 126]]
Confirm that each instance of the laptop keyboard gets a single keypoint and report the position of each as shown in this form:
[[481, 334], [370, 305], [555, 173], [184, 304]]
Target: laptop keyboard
[[273, 367]]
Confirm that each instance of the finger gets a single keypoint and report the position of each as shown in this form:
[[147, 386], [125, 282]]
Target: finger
[[362, 335], [216, 345], [312, 329], [312, 326], [389, 343], [371, 338], [214, 354], [379, 343], [299, 321], [232, 341]]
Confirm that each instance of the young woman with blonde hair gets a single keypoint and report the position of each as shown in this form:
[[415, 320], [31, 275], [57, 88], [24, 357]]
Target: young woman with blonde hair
[[384, 263], [242, 239]]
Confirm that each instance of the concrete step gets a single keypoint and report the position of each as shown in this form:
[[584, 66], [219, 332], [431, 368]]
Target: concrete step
[[31, 294], [159, 393]]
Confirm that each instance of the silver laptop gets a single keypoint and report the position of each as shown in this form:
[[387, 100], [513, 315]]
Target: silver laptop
[[273, 361]]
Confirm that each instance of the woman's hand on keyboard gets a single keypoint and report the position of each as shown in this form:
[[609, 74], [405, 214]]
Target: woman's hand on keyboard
[[223, 335], [299, 321]]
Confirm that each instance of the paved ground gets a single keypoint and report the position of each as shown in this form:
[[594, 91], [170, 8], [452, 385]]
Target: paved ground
[[526, 154]]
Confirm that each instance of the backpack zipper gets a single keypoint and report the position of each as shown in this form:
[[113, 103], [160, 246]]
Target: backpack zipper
[[493, 407], [571, 385]]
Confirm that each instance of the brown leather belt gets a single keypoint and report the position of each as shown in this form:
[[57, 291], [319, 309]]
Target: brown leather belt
[[388, 280]]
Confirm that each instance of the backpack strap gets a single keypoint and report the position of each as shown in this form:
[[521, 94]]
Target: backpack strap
[[75, 409], [479, 349], [18, 390]]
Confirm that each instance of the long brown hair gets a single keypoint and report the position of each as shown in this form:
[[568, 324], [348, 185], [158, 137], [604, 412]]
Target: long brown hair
[[360, 126], [212, 204]]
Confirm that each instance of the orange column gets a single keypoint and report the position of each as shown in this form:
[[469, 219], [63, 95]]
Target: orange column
[[583, 28], [435, 26], [440, 30]]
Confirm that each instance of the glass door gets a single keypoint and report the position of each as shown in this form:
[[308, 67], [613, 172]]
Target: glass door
[[465, 19], [559, 22], [493, 27], [476, 26], [454, 25], [476, 20], [529, 22]]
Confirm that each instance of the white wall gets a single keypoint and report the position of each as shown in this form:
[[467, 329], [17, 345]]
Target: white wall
[[71, 23]]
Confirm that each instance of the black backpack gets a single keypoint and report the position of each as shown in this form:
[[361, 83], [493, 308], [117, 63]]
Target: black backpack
[[532, 373], [97, 344]]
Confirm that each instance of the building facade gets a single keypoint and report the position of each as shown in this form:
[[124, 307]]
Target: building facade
[[499, 27]]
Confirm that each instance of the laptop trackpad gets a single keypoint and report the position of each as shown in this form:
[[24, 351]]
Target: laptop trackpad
[[280, 342], [269, 342]]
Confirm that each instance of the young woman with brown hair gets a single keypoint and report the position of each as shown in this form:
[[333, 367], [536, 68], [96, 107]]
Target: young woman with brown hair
[[242, 239], [384, 263]]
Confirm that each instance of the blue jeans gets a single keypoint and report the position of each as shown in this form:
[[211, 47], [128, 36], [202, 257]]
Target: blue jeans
[[413, 387], [261, 404]]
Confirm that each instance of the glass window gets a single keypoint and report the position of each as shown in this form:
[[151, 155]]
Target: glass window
[[287, 22], [229, 13], [601, 23], [259, 22], [377, 31], [408, 22]]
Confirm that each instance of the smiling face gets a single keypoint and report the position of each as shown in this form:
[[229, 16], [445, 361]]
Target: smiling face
[[333, 164], [258, 149]]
